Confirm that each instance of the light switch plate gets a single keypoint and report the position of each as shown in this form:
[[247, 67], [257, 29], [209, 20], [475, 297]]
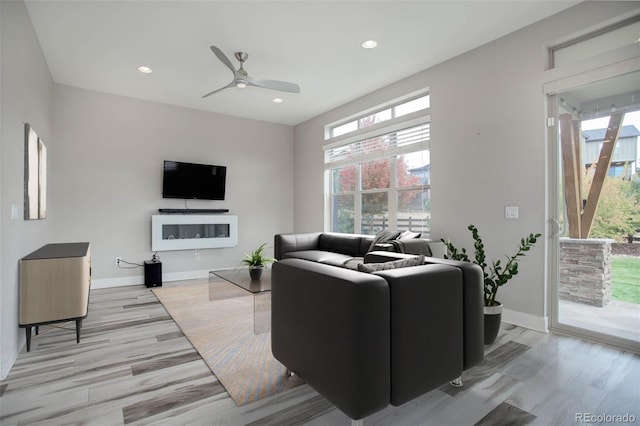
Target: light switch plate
[[511, 212], [15, 211]]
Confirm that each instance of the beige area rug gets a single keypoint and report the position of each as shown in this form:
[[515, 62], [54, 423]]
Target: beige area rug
[[218, 320]]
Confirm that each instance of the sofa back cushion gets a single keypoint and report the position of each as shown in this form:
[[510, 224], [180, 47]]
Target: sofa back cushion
[[350, 244]]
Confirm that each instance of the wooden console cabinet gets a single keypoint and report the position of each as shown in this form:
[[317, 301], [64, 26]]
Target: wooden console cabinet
[[54, 286]]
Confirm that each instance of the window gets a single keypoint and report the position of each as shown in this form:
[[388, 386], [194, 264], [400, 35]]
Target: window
[[381, 180], [403, 108], [605, 40]]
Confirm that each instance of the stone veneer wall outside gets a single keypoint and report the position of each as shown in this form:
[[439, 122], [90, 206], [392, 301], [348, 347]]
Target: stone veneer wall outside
[[585, 271]]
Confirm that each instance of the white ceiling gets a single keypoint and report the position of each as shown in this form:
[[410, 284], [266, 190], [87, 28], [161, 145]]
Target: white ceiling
[[98, 45]]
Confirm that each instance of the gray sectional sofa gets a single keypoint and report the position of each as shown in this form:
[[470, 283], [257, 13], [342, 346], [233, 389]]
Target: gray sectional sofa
[[367, 340], [348, 250]]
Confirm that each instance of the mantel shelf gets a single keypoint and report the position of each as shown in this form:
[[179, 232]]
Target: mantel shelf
[[192, 211]]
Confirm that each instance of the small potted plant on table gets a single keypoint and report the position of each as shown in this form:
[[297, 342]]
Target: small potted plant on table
[[495, 276], [256, 261]]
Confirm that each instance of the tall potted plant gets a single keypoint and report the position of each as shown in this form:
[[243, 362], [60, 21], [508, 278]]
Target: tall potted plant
[[495, 276], [256, 261]]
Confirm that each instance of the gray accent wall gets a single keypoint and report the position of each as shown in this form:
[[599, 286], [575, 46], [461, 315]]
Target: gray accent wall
[[489, 145], [26, 96], [106, 181]]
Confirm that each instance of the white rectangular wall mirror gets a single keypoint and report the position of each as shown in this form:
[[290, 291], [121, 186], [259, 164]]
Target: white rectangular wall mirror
[[35, 175]]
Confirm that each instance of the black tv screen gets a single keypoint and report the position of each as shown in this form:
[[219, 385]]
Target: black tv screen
[[193, 181]]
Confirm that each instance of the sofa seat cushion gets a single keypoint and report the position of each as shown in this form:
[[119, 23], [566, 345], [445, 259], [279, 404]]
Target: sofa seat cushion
[[353, 263], [320, 256]]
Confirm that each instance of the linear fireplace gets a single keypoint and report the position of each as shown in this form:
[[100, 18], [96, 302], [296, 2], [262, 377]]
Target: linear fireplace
[[193, 231]]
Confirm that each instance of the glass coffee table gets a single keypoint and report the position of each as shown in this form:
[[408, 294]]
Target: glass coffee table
[[260, 289]]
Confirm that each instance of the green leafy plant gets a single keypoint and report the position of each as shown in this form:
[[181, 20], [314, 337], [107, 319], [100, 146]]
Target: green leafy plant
[[257, 257], [496, 275]]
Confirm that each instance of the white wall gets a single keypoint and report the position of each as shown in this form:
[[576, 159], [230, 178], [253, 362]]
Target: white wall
[[27, 92], [489, 147], [105, 174], [106, 178]]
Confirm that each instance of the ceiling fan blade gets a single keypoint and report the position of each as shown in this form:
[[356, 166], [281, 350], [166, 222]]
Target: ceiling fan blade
[[281, 86], [223, 58], [232, 84]]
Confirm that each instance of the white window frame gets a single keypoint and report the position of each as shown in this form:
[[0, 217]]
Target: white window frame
[[594, 42], [410, 97], [395, 124]]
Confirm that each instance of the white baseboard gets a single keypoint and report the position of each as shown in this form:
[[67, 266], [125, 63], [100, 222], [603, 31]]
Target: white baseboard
[[139, 279], [117, 282], [521, 319]]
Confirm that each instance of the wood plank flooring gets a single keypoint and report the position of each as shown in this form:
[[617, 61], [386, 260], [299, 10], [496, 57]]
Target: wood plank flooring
[[134, 366]]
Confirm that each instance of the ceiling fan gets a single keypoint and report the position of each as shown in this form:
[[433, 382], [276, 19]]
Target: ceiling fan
[[241, 79]]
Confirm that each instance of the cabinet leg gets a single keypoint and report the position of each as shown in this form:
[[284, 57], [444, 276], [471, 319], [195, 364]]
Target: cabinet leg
[[28, 330], [78, 326], [37, 329]]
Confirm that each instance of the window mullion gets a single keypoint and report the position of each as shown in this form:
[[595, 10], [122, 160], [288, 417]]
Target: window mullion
[[392, 201], [357, 226], [328, 200]]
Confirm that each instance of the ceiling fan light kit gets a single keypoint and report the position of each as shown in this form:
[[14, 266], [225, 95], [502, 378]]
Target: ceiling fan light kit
[[241, 78]]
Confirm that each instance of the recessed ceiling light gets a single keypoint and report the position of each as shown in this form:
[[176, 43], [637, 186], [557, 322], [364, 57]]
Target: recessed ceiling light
[[145, 70], [369, 44], [278, 100]]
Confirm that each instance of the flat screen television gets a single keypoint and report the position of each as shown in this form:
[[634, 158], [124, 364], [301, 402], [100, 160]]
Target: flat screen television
[[193, 181]]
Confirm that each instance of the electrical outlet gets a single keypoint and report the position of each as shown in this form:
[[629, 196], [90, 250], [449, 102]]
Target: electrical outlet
[[117, 261]]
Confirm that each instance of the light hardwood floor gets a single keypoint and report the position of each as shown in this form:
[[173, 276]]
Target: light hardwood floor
[[134, 366]]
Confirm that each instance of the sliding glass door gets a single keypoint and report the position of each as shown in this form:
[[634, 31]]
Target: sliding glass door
[[594, 176]]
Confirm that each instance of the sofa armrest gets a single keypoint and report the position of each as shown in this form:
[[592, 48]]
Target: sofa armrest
[[284, 243], [331, 327], [437, 248], [473, 296]]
